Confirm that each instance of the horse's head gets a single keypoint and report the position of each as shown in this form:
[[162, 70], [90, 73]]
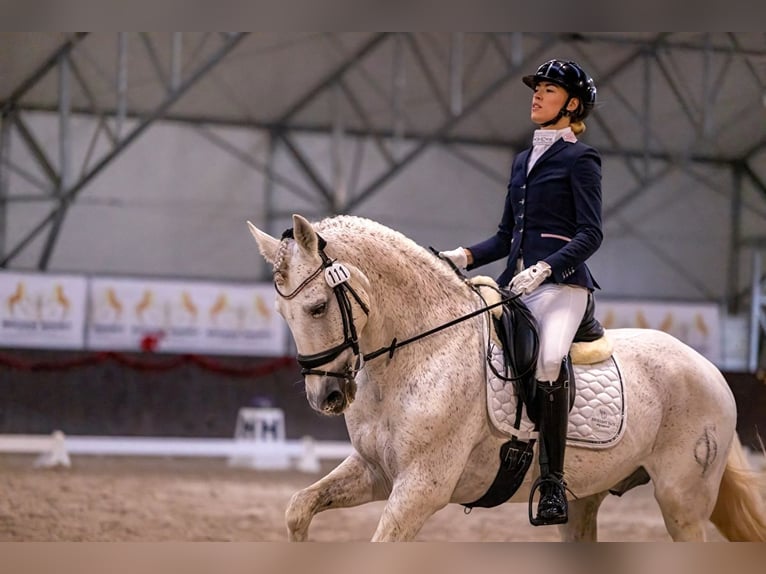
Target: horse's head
[[313, 297]]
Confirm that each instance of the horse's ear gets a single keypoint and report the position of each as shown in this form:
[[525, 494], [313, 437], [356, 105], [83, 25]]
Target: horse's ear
[[267, 244], [304, 234]]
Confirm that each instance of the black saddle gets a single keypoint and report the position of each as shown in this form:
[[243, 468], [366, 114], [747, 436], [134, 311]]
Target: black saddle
[[590, 329], [517, 330]]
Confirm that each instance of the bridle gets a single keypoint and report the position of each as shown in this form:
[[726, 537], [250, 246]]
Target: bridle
[[337, 276]]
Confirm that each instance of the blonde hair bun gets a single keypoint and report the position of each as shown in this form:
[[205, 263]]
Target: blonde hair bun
[[577, 127]]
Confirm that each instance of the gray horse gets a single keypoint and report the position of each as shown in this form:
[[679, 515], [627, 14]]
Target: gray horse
[[418, 420]]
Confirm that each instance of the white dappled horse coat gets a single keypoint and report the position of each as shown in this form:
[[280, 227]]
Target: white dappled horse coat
[[419, 424]]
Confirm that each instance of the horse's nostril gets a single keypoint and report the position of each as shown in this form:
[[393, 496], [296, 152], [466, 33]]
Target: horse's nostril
[[334, 401]]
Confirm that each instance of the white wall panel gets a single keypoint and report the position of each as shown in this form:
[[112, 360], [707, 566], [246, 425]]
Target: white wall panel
[[175, 205]]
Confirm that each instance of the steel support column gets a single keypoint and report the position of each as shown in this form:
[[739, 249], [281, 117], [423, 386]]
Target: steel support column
[[398, 88], [337, 137], [65, 160], [647, 107], [735, 236], [757, 312], [121, 82], [5, 149], [268, 199], [456, 72]]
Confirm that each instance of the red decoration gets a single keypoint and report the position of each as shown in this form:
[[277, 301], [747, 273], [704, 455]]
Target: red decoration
[[150, 341], [132, 362]]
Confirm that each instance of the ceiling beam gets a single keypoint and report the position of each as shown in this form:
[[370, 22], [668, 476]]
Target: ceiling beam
[[429, 139], [68, 195], [299, 128], [30, 81], [667, 42], [331, 78], [38, 153], [757, 181], [749, 154]]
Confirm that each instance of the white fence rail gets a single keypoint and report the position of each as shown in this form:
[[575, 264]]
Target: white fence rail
[[304, 455]]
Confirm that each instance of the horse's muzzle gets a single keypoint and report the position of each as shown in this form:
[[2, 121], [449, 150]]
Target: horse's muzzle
[[333, 395]]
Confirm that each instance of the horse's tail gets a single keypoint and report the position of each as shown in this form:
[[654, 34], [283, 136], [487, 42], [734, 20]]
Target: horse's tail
[[740, 512]]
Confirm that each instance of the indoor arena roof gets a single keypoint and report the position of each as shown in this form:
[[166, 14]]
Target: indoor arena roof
[[677, 94]]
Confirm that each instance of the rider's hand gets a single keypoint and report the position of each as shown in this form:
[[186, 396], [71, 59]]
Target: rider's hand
[[530, 278], [457, 256]]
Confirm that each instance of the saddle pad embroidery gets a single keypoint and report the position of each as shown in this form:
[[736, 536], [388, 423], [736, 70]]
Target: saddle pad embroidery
[[597, 419]]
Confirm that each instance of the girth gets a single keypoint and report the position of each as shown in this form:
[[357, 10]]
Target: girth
[[515, 458]]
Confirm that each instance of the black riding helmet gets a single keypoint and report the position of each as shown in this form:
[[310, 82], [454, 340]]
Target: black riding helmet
[[570, 76]]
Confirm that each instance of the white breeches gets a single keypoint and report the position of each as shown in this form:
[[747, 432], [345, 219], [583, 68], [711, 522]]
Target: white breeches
[[559, 309]]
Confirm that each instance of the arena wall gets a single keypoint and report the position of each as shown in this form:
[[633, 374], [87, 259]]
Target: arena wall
[[110, 398]]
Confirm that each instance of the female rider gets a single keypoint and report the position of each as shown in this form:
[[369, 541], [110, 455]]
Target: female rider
[[551, 225]]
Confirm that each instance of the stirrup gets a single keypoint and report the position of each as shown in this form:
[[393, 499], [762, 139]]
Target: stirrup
[[537, 520]]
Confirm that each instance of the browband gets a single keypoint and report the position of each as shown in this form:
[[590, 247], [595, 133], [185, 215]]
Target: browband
[[288, 234]]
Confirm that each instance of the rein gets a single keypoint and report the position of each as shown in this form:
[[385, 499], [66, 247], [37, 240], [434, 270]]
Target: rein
[[397, 344], [337, 277]]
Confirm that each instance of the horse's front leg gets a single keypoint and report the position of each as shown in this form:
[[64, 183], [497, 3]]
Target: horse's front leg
[[351, 483], [415, 497], [583, 519]]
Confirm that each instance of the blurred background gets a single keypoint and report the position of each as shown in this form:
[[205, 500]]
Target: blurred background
[[134, 301]]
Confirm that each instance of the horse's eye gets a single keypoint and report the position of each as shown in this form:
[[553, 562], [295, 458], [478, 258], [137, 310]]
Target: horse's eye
[[318, 310]]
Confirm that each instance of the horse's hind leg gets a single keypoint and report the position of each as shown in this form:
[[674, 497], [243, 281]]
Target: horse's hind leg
[[350, 484], [685, 509], [583, 524], [686, 488]]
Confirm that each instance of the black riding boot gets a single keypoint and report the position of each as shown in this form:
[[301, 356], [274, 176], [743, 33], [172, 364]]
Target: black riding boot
[[553, 402]]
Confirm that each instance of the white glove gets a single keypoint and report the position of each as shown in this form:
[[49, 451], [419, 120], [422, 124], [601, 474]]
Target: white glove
[[530, 278], [457, 256]]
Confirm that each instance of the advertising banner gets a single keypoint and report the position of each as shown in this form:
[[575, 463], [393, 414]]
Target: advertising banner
[[42, 310], [52, 311], [696, 324], [185, 317]]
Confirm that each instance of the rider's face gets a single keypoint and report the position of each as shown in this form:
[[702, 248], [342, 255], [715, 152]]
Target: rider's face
[[547, 101]]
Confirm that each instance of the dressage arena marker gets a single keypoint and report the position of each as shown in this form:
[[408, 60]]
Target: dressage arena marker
[[261, 425], [55, 449]]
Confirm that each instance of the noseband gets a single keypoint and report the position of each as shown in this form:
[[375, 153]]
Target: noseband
[[337, 277]]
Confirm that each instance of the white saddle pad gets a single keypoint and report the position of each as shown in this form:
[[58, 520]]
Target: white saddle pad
[[597, 419]]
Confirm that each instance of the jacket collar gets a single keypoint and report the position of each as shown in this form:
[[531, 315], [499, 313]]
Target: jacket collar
[[555, 148]]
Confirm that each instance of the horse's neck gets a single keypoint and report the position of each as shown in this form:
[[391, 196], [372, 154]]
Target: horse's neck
[[408, 296]]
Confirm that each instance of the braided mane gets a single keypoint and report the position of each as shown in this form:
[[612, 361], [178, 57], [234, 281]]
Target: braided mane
[[345, 234]]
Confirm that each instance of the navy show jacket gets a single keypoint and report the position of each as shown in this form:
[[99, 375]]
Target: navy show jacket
[[552, 215]]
